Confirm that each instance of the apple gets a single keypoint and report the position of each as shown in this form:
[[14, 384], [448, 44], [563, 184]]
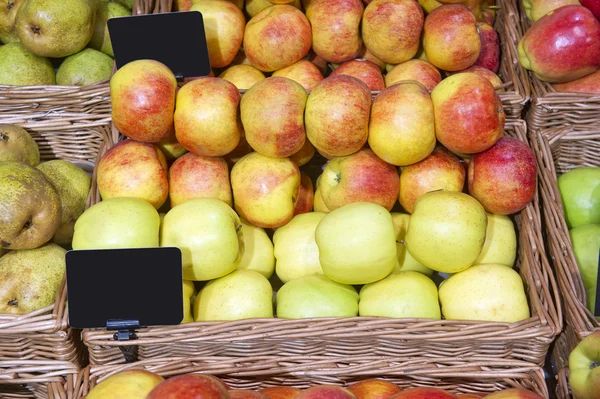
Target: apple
[[170, 147], [265, 189], [500, 245], [304, 72], [336, 35], [364, 70], [304, 155], [402, 129], [190, 386], [470, 395], [277, 37], [132, 169], [130, 384], [423, 393], [316, 296], [242, 76], [117, 223], [357, 243], [360, 177], [563, 45], [589, 84], [486, 73], [392, 29], [447, 230], [306, 194], [593, 6], [337, 115], [536, 9], [318, 204], [504, 178], [281, 392], [469, 116], [486, 293], [272, 113], [430, 5], [253, 7], [242, 149], [326, 391], [405, 294], [189, 290], [208, 233], [194, 176], [258, 251], [441, 170], [185, 5], [319, 61], [366, 55], [586, 246], [421, 71], [404, 260], [246, 393], [514, 393], [450, 37], [584, 377], [373, 389], [206, 116], [580, 194], [243, 294], [489, 56], [295, 248]]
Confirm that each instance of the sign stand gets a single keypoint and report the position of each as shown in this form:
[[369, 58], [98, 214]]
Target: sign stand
[[125, 332]]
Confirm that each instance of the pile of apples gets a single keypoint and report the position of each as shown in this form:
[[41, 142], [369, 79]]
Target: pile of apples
[[562, 46], [141, 384]]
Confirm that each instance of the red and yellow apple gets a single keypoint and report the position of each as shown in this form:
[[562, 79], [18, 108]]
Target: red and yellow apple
[[489, 56], [196, 386], [421, 71], [486, 73], [517, 393], [366, 55], [304, 203], [304, 72], [366, 71], [281, 392], [242, 76], [422, 393], [373, 389], [304, 155], [246, 393], [326, 391], [588, 84]]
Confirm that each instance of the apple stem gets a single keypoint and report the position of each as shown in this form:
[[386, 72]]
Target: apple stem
[[3, 136], [593, 365], [13, 302]]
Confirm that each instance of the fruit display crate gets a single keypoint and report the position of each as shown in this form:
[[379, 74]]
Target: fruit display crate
[[478, 375], [527, 340], [21, 379]]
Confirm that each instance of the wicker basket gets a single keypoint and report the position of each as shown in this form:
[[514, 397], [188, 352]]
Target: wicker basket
[[37, 379], [560, 359]]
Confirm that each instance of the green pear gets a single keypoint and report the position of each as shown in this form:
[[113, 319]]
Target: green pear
[[73, 186], [580, 193], [586, 246], [84, 68], [19, 67], [30, 207], [8, 14], [101, 39], [51, 28], [17, 145]]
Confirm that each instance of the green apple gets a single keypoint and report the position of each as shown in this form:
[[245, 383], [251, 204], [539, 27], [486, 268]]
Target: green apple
[[404, 260], [357, 243], [486, 293], [296, 250], [258, 251], [117, 223], [189, 290], [586, 245], [208, 232], [580, 194], [316, 296], [446, 232], [500, 244], [407, 294], [584, 366], [243, 294]]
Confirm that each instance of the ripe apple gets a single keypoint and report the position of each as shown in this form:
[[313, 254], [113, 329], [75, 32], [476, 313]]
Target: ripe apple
[[584, 377], [360, 177], [208, 233], [421, 71], [392, 29], [470, 395], [132, 169], [366, 55], [450, 37], [265, 189], [373, 389], [190, 386], [194, 176], [246, 393], [336, 35], [500, 245], [319, 61], [580, 194], [306, 195], [357, 243], [504, 178], [170, 147], [441, 170], [514, 393], [446, 231], [366, 71], [404, 260], [277, 37], [469, 117], [117, 223], [206, 116], [486, 73], [536, 9], [253, 7], [304, 72], [337, 115], [316, 296], [281, 392], [242, 76], [243, 294], [593, 6], [305, 154], [586, 246], [405, 294], [318, 204], [489, 56], [142, 95], [272, 113], [130, 384], [589, 84], [430, 5], [401, 130], [563, 45], [326, 391], [258, 251], [295, 248], [189, 290], [484, 292], [422, 393]]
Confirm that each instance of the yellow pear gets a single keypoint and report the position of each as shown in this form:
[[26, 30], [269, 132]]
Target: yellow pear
[[500, 242], [404, 260], [131, 384], [258, 251]]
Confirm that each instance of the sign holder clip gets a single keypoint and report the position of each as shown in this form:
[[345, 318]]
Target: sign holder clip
[[126, 331]]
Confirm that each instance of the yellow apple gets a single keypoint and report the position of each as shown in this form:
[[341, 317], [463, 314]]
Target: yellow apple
[[318, 204], [258, 251], [304, 72], [253, 7], [304, 155], [404, 260], [130, 384], [171, 148], [500, 245], [189, 290], [242, 76]]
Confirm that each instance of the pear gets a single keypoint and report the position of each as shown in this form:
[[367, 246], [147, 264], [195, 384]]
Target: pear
[[8, 14], [101, 39], [19, 67], [73, 186], [30, 278], [126, 3], [84, 68], [30, 210], [17, 145], [51, 28]]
